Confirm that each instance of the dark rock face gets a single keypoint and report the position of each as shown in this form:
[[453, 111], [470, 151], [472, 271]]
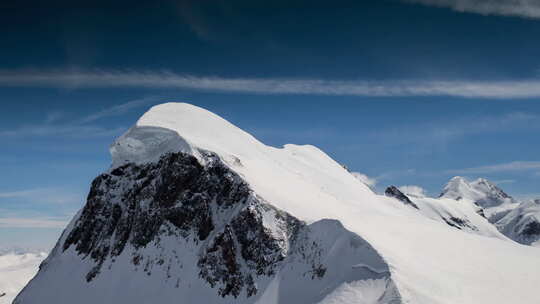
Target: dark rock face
[[208, 205], [394, 192], [531, 229], [261, 250], [521, 224], [480, 212], [459, 223], [522, 229]]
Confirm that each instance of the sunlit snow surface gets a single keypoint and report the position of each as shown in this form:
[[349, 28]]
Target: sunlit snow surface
[[431, 262], [16, 269]]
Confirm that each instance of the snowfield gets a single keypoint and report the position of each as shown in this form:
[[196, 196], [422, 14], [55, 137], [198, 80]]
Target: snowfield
[[444, 252], [16, 269]]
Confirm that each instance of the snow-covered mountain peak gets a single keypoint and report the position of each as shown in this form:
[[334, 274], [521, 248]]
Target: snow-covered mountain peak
[[180, 127], [196, 209], [481, 191], [457, 188]]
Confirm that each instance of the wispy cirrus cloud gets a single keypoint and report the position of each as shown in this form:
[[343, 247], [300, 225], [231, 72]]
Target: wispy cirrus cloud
[[120, 109], [42, 196], [505, 167], [54, 116], [164, 79], [443, 132], [69, 131], [38, 207], [413, 190], [79, 127], [504, 181], [18, 222], [518, 8]]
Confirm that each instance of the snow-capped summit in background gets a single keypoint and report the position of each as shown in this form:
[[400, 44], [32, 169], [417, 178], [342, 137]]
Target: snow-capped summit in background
[[194, 208], [456, 188], [481, 191], [520, 221]]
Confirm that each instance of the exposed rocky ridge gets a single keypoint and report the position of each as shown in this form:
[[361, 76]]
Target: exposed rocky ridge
[[394, 192], [135, 205], [522, 224], [238, 238], [459, 223]]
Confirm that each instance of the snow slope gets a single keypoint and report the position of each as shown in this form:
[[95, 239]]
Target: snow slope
[[430, 262], [16, 269], [461, 214]]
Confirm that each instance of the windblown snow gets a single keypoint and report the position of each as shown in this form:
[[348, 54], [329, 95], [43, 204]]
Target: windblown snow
[[367, 248]]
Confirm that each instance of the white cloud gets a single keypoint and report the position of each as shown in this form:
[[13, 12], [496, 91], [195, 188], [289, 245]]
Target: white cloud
[[16, 269], [81, 127], [519, 8], [35, 207], [504, 181], [395, 174], [71, 131], [413, 190], [32, 222], [164, 79], [43, 195], [506, 167], [439, 133], [365, 179], [54, 116], [119, 109], [527, 196]]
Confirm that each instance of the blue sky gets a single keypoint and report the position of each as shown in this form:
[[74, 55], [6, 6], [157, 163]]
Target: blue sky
[[407, 92]]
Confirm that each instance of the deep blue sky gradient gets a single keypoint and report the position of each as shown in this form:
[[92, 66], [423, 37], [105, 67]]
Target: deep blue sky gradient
[[49, 154]]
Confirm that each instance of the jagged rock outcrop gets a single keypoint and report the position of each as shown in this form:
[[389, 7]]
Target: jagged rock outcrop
[[237, 240], [135, 205], [394, 192]]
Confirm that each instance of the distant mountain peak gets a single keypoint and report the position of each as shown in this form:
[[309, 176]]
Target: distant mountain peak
[[481, 191]]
